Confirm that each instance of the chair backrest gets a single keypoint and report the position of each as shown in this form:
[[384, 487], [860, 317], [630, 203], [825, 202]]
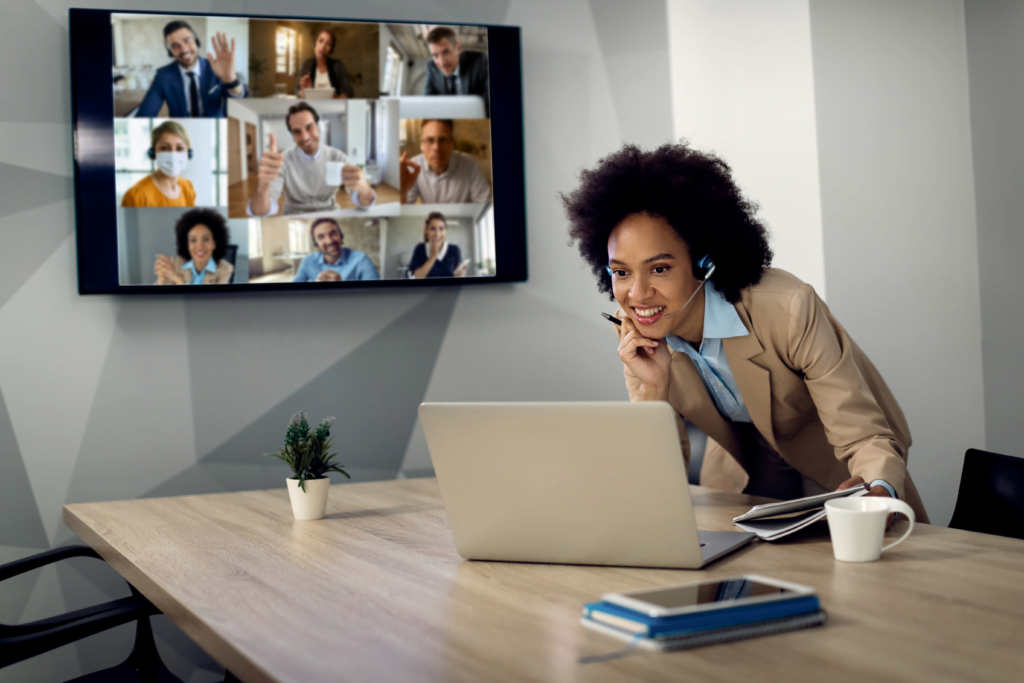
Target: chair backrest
[[230, 253], [991, 496]]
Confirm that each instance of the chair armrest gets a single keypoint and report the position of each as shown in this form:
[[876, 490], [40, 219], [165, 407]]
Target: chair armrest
[[42, 559]]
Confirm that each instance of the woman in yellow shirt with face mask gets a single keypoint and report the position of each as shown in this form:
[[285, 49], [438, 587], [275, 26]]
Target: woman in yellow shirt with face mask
[[171, 149]]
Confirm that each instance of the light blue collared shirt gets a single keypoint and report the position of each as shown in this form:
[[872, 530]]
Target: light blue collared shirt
[[351, 265], [197, 277], [721, 321]]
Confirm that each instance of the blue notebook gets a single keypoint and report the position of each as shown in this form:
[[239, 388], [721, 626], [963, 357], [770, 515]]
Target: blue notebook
[[646, 626], [694, 639]]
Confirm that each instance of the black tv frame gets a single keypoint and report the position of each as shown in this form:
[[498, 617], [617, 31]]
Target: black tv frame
[[92, 126]]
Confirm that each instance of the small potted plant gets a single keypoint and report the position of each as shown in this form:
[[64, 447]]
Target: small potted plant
[[306, 452]]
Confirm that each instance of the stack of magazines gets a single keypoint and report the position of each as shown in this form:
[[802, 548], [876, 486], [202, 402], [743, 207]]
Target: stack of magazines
[[773, 521], [750, 617]]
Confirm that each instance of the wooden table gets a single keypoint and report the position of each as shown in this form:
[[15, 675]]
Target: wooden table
[[376, 592]]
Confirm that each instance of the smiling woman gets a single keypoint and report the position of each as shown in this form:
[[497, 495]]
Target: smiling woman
[[171, 149], [202, 239], [750, 354]]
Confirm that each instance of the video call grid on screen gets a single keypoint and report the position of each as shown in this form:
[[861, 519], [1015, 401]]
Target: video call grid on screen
[[339, 153]]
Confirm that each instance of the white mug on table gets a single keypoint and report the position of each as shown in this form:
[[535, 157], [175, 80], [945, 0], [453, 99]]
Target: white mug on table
[[858, 524]]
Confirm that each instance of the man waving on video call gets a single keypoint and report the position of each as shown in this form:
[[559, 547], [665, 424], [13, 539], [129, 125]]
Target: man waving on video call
[[191, 85], [748, 353]]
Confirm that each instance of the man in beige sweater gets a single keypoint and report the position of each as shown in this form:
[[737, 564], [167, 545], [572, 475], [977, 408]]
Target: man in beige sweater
[[304, 172]]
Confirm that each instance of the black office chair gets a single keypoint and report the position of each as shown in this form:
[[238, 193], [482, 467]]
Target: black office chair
[[991, 496], [23, 641], [230, 253]]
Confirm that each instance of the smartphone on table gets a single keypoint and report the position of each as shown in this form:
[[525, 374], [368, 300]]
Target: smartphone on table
[[736, 591]]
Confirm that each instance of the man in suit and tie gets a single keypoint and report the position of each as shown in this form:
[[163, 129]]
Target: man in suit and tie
[[455, 71], [193, 86]]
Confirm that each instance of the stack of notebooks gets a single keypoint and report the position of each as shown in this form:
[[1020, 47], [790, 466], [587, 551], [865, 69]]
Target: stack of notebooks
[[703, 628], [773, 521]]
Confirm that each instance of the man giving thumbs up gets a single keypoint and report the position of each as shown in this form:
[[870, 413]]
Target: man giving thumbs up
[[307, 173]]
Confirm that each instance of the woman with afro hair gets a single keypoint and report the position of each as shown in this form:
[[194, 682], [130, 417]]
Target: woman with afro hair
[[202, 238], [748, 353]]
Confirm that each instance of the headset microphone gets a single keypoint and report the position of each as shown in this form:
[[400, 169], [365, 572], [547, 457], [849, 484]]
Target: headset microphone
[[705, 262]]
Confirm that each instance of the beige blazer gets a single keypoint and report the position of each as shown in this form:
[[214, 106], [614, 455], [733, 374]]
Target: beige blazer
[[810, 391], [221, 277]]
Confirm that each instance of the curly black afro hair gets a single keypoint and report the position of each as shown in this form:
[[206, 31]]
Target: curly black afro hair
[[211, 219], [692, 190]]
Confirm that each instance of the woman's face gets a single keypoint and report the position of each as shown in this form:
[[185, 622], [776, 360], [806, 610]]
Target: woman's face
[[201, 244], [169, 142], [651, 273], [435, 231], [324, 43]]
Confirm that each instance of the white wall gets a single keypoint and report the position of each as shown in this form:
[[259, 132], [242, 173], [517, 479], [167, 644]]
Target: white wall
[[355, 134], [995, 50], [245, 115], [897, 187], [142, 38], [236, 29], [743, 87], [385, 39], [387, 141]]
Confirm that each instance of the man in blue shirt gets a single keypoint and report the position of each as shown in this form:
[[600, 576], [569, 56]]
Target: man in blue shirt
[[332, 262], [193, 86]]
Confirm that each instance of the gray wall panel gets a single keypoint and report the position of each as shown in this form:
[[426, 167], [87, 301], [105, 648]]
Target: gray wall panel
[[20, 522], [38, 90], [995, 57], [29, 238], [635, 55], [140, 429], [898, 214], [373, 392], [248, 353]]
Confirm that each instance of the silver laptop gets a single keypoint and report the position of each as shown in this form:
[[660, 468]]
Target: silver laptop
[[573, 483]]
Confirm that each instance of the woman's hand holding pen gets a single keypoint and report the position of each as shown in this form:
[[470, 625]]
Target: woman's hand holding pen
[[646, 358]]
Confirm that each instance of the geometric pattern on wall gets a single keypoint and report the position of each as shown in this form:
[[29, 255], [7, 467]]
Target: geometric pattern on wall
[[36, 82], [246, 354], [29, 238], [25, 188], [144, 396], [20, 522], [373, 392]]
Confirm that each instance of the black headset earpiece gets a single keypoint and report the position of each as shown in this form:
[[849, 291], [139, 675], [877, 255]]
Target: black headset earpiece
[[152, 154], [199, 43], [703, 267]]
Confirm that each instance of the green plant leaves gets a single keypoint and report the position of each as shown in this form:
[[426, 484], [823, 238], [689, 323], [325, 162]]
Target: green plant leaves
[[306, 451]]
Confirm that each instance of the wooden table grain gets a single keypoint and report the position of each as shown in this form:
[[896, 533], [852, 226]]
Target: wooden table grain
[[376, 592]]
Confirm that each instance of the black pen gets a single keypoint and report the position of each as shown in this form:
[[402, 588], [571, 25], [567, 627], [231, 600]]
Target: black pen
[[612, 318]]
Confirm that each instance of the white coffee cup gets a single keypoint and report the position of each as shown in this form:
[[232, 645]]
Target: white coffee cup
[[857, 526], [334, 173]]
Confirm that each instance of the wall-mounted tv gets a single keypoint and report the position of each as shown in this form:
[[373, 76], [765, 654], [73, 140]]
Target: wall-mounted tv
[[259, 152]]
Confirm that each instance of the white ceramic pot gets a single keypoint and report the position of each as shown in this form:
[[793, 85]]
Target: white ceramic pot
[[311, 503]]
